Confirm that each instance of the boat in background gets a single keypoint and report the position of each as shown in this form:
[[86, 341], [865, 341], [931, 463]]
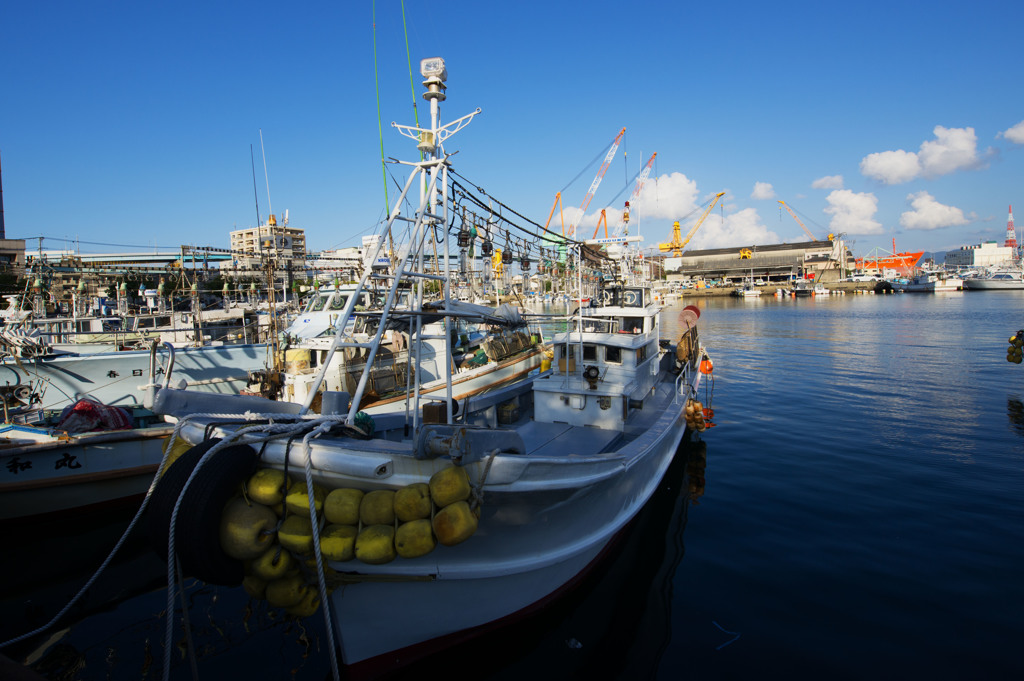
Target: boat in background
[[930, 281], [746, 291], [997, 279], [32, 374], [903, 263]]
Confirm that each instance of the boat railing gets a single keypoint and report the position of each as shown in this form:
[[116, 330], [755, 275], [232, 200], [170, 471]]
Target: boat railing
[[155, 367]]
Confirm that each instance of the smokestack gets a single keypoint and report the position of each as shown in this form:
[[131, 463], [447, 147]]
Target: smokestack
[[3, 234]]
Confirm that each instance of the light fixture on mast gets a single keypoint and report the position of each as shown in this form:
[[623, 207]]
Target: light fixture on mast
[[434, 74]]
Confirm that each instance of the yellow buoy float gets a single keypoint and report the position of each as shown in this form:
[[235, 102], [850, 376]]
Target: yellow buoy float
[[375, 545], [374, 527], [413, 502], [341, 506]]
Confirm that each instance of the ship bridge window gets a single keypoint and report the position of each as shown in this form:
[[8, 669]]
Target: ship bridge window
[[589, 353], [641, 354], [318, 304], [613, 355], [632, 324], [338, 302]]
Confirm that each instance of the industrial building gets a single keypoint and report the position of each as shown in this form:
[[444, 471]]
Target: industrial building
[[820, 260]]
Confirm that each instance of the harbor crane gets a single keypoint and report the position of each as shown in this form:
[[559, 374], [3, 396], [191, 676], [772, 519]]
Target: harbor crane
[[641, 178], [677, 245], [590, 192], [806, 231]]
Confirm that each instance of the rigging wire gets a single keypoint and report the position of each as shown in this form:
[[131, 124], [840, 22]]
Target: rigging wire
[[600, 155]]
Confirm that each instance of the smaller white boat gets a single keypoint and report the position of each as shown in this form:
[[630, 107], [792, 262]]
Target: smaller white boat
[[747, 291], [88, 456], [996, 279], [930, 281]]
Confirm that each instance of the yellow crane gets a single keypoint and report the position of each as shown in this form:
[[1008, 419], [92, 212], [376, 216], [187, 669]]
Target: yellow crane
[[677, 245], [806, 231]]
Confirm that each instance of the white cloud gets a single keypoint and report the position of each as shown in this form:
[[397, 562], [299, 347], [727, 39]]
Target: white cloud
[[763, 190], [930, 214], [891, 167], [952, 149], [669, 197], [828, 182], [853, 213], [1014, 134], [741, 227]]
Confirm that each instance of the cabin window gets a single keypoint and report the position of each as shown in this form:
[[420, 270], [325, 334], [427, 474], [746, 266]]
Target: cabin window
[[569, 352], [641, 354], [338, 302], [318, 304], [589, 353], [613, 355], [633, 324]]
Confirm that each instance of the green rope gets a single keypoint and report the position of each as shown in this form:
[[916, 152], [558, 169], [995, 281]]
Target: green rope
[[412, 85], [380, 129]]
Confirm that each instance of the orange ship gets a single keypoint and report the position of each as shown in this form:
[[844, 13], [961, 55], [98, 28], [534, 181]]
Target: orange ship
[[901, 262]]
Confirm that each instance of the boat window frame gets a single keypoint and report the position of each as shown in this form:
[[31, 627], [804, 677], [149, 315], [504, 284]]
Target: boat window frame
[[610, 351], [589, 352]]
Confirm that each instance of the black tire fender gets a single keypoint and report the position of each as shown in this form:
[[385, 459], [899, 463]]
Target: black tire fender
[[173, 480], [197, 531], [197, 528]]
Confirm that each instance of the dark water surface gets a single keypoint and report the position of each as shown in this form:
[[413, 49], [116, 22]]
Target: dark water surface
[[856, 512]]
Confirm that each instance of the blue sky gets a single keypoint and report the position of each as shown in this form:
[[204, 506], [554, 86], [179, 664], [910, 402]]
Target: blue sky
[[130, 123]]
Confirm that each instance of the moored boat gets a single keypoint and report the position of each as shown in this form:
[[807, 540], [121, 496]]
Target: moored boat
[[931, 281], [550, 469], [88, 456], [1000, 279]]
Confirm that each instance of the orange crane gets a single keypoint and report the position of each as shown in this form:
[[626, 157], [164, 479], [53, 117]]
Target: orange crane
[[594, 185], [806, 231], [677, 244]]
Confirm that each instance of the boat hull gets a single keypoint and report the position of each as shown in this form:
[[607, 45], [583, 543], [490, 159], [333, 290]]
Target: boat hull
[[119, 378], [78, 473], [994, 284], [502, 574]]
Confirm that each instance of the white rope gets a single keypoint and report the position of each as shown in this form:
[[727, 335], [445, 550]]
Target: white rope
[[272, 429], [106, 562], [317, 555]]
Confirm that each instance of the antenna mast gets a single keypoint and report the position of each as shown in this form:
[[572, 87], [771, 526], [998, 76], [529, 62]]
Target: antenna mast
[[270, 206]]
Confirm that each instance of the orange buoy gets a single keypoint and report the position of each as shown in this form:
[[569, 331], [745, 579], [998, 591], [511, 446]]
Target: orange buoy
[[706, 367]]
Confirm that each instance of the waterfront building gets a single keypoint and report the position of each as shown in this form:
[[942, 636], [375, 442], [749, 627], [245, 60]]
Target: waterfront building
[[984, 254], [820, 260]]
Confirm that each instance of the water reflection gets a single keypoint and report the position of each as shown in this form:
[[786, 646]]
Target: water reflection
[[1015, 412]]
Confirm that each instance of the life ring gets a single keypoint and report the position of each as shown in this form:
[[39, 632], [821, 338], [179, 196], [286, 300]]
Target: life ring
[[197, 528]]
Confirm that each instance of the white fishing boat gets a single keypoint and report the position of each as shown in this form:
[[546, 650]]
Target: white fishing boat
[[487, 346], [90, 456], [33, 374], [930, 281], [802, 288], [550, 469]]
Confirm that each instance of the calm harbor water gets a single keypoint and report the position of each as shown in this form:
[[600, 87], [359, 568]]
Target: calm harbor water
[[856, 512]]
